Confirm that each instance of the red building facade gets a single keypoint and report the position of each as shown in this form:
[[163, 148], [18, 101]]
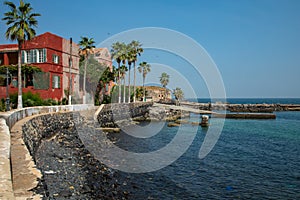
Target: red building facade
[[53, 55]]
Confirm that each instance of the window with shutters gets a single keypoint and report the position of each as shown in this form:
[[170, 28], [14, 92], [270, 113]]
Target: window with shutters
[[34, 56], [41, 55], [55, 59], [26, 56], [55, 81]]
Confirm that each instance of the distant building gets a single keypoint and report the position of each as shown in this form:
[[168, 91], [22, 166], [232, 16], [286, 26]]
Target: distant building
[[156, 93], [52, 54], [102, 55]]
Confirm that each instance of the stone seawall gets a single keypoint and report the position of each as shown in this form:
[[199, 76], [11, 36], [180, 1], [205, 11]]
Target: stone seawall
[[69, 170], [109, 114], [53, 140], [44, 127], [6, 189], [7, 121]]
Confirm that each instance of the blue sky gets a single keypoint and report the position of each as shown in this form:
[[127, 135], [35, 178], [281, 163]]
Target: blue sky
[[255, 44]]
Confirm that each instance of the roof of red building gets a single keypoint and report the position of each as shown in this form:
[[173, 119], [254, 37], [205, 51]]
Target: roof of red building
[[8, 47], [47, 33]]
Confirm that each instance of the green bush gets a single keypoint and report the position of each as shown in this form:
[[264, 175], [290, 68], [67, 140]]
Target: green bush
[[106, 99], [2, 105], [50, 102], [64, 101], [30, 99], [14, 100]]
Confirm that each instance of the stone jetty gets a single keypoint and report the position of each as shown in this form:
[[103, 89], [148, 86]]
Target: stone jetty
[[245, 115], [249, 108]]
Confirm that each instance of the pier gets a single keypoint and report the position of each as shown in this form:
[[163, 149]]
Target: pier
[[233, 115], [184, 108], [247, 108]]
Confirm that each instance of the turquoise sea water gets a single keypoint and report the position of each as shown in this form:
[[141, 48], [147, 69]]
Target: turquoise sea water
[[253, 159]]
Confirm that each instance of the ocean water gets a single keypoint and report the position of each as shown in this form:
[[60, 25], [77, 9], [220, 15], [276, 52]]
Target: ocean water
[[253, 159]]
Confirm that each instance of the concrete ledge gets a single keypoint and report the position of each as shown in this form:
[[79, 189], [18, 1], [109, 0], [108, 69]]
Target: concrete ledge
[[7, 121], [6, 189], [245, 115], [15, 115]]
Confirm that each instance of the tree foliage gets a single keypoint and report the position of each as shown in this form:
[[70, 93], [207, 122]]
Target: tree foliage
[[179, 95], [86, 48], [21, 22], [126, 54], [164, 79], [25, 69], [94, 71], [144, 68]]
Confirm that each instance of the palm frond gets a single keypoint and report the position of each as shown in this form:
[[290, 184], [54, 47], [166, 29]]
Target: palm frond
[[10, 4]]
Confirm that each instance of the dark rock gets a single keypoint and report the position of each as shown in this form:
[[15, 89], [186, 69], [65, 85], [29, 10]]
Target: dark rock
[[69, 170]]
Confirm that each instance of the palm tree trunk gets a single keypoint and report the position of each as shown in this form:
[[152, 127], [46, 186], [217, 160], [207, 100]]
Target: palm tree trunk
[[144, 88], [20, 103], [134, 77], [84, 81], [129, 83], [119, 83], [124, 91], [165, 97]]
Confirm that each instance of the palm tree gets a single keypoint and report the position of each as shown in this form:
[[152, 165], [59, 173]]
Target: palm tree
[[144, 68], [115, 73], [86, 48], [136, 50], [139, 92], [123, 70], [130, 59], [117, 54], [164, 80], [178, 93], [21, 21]]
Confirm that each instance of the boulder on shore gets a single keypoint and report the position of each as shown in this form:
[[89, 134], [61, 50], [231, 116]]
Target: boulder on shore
[[173, 124]]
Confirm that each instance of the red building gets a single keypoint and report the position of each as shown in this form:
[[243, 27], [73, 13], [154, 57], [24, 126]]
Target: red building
[[52, 54]]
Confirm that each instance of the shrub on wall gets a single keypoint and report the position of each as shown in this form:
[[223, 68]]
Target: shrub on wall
[[2, 105], [30, 99]]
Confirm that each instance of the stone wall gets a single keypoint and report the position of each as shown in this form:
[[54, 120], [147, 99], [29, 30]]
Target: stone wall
[[6, 190], [7, 121], [110, 113], [15, 115], [45, 127]]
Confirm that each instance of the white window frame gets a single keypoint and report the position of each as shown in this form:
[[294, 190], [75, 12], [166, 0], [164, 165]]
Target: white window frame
[[56, 81], [40, 56], [55, 58]]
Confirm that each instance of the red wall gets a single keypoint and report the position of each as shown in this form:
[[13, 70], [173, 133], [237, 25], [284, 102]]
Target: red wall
[[53, 44]]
